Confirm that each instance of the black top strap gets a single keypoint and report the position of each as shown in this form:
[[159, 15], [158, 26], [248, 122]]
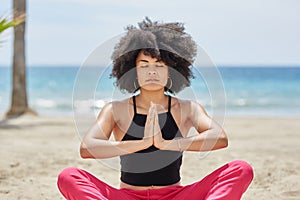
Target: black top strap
[[169, 106], [134, 106]]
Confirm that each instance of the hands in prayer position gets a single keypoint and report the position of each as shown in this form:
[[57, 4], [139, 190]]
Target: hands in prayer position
[[152, 134]]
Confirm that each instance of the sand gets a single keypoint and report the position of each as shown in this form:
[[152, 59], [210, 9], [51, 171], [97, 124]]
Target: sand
[[35, 149]]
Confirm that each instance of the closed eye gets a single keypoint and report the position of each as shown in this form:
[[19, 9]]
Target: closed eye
[[145, 66]]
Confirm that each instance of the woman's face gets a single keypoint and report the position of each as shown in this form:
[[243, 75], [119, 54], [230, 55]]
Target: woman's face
[[152, 74]]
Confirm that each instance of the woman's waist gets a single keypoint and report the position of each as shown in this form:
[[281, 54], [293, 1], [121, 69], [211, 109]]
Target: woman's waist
[[134, 187]]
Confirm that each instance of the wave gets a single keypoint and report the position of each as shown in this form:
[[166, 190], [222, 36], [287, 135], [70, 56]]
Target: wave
[[89, 104], [234, 106]]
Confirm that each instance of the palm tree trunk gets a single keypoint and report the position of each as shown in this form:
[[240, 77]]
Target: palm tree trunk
[[19, 104]]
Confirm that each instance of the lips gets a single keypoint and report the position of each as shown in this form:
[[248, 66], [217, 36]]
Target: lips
[[152, 79]]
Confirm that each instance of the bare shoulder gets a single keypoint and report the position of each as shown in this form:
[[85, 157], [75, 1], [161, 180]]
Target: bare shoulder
[[185, 104], [121, 104], [191, 107], [114, 108], [105, 111], [116, 104], [180, 107]]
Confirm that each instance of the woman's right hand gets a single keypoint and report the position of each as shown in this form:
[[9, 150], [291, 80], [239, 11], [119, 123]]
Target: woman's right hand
[[149, 126]]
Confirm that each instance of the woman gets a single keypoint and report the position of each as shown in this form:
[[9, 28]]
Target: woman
[[151, 133]]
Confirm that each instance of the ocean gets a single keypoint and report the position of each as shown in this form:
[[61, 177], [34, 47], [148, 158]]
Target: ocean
[[245, 91]]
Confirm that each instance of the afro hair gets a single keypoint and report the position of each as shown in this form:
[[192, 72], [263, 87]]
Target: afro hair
[[168, 42]]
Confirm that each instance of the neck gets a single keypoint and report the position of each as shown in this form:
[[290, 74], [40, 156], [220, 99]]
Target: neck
[[157, 97]]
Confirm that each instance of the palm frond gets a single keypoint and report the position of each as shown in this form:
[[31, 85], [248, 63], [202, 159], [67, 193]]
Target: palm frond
[[6, 23]]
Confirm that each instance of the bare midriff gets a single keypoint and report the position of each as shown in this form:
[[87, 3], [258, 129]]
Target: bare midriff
[[133, 187]]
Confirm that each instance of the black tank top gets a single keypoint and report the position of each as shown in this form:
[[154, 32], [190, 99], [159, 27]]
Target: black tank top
[[151, 166]]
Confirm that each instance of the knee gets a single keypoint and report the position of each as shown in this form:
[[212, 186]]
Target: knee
[[67, 176], [245, 169]]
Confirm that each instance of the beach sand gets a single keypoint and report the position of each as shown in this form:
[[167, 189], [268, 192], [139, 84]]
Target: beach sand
[[35, 149]]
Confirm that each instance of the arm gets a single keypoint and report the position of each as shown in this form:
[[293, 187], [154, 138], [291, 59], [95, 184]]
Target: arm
[[96, 144], [211, 135]]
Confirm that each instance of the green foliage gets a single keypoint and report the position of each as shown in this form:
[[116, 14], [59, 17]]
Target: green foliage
[[7, 23]]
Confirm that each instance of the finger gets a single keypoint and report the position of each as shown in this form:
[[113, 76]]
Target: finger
[[151, 108], [155, 112], [152, 112], [154, 108], [152, 105], [150, 116], [155, 122]]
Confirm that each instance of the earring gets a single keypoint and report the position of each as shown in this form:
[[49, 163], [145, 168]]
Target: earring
[[171, 83]]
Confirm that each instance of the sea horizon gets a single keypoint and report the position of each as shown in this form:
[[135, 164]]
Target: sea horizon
[[264, 91]]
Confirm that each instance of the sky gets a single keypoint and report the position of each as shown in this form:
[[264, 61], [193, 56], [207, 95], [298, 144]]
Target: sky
[[233, 32]]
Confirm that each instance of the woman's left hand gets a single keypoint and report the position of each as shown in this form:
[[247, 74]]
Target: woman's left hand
[[157, 135]]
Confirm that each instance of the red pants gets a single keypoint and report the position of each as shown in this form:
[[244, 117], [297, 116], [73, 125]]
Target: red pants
[[228, 182]]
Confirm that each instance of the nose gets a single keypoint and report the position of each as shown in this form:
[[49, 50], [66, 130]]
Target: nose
[[150, 72]]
